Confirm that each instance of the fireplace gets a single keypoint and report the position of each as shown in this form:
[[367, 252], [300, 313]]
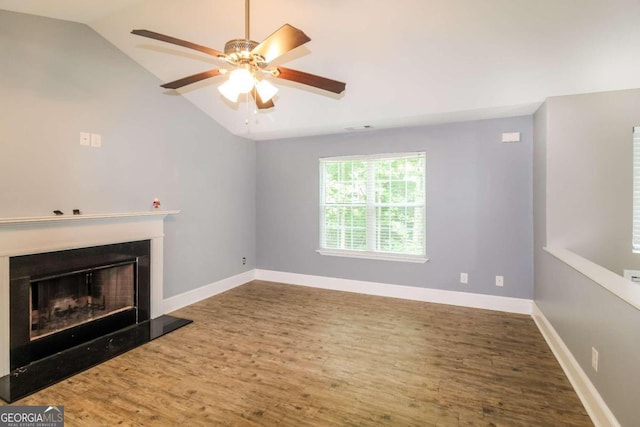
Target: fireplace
[[64, 298], [76, 291]]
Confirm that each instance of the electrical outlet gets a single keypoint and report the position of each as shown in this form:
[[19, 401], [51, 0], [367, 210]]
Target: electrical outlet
[[594, 359], [499, 280], [464, 278], [244, 260]]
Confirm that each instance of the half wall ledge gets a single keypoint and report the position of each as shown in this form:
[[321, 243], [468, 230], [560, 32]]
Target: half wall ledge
[[614, 283]]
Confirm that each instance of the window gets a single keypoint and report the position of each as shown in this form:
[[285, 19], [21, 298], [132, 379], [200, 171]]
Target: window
[[636, 190], [373, 206]]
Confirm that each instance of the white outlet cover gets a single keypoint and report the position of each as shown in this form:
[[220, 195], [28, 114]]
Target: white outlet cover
[[499, 280], [464, 278]]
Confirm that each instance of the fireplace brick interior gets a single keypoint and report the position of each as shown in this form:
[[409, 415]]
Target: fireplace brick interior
[[71, 299]]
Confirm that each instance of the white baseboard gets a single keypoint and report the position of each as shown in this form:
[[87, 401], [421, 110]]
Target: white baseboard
[[178, 301], [596, 407], [465, 299]]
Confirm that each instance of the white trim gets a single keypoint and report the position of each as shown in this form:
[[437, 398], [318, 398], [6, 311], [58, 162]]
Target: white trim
[[373, 255], [48, 234], [28, 219], [156, 275], [596, 407], [614, 283], [195, 295], [635, 228], [382, 156], [465, 299], [5, 356]]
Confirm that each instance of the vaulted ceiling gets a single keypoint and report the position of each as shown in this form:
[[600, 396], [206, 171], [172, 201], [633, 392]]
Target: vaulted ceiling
[[405, 62]]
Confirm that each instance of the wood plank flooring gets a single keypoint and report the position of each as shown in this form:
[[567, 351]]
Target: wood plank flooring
[[273, 354]]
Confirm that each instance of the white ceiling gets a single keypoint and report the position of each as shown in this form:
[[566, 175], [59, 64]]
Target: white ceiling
[[405, 62]]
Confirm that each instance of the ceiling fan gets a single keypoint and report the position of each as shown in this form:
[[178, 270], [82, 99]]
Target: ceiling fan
[[250, 64]]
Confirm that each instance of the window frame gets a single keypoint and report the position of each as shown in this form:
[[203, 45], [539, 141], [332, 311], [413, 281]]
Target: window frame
[[635, 226], [369, 253]]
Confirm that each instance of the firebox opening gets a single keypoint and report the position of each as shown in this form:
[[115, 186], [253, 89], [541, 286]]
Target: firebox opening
[[63, 301]]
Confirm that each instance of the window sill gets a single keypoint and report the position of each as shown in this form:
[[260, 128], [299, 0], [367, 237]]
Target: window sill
[[374, 255]]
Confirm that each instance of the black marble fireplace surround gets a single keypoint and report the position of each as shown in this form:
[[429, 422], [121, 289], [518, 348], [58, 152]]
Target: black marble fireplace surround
[[27, 269], [37, 361]]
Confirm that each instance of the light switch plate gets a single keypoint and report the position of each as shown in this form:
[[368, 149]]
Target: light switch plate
[[85, 139], [96, 140]]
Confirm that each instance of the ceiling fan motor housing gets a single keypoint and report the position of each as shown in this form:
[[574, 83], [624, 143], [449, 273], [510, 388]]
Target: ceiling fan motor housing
[[239, 50]]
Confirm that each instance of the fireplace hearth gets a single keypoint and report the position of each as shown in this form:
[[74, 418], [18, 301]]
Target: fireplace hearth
[[40, 374]]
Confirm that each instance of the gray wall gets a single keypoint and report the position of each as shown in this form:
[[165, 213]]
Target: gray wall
[[479, 206], [590, 166], [59, 78], [583, 313]]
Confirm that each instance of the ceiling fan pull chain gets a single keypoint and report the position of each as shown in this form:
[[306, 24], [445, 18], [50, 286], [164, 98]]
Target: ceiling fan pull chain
[[246, 120]]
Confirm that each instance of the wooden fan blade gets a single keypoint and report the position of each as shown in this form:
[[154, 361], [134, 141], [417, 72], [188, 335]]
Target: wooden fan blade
[[261, 105], [173, 40], [280, 42], [310, 80], [176, 84]]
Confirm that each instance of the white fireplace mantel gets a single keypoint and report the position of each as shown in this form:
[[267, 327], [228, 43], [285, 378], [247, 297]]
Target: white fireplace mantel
[[32, 235], [63, 218]]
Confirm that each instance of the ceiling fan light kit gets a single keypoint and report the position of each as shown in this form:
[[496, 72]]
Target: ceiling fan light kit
[[229, 91], [266, 90], [251, 64], [242, 79]]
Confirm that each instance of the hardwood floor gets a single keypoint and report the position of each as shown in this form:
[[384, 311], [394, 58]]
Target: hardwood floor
[[273, 354]]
